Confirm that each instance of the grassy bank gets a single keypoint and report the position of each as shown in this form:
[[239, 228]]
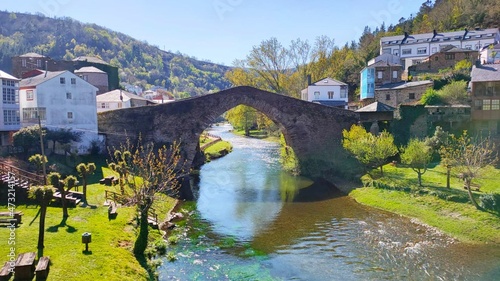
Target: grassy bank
[[110, 256], [433, 204], [258, 134], [218, 150]]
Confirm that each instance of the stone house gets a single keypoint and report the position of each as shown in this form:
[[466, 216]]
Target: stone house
[[445, 58], [403, 92], [485, 95], [452, 118], [376, 75]]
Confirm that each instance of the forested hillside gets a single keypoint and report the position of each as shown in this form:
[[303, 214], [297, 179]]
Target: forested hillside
[[138, 62]]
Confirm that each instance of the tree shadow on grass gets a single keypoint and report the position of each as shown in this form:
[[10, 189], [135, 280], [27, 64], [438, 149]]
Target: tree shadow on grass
[[92, 207], [144, 263], [69, 228]]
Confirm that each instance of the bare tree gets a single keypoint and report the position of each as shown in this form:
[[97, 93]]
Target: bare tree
[[150, 172], [472, 156]]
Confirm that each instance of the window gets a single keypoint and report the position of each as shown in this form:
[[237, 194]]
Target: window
[[70, 115], [468, 47], [120, 104], [11, 117], [316, 95], [330, 95], [29, 95], [467, 55], [489, 91], [380, 74], [395, 52], [371, 73], [406, 51], [478, 46], [104, 105], [478, 104], [434, 50], [73, 81], [486, 104], [62, 80], [387, 97], [343, 92], [422, 51], [38, 63], [9, 96], [386, 51], [23, 62], [449, 56], [34, 112], [395, 74], [411, 96], [495, 104], [68, 96]]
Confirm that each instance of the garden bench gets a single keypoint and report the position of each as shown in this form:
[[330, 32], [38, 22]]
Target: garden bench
[[6, 272], [8, 218], [42, 268], [25, 266], [112, 210], [473, 186]]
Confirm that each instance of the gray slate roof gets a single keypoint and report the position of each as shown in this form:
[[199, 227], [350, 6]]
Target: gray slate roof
[[328, 82], [383, 63], [5, 75], [89, 69], [90, 59], [429, 37], [114, 96], [39, 79], [485, 73], [31, 55], [404, 85], [376, 107]]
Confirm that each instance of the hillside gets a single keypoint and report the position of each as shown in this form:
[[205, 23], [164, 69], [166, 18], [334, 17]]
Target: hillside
[[138, 62]]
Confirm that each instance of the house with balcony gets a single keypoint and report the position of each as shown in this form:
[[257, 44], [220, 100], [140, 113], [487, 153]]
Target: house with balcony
[[11, 122], [377, 74], [61, 100], [327, 91], [117, 99], [414, 48], [485, 95]]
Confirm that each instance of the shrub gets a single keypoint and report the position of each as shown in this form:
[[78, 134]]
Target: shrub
[[161, 246], [172, 240], [490, 201], [171, 256], [431, 97]]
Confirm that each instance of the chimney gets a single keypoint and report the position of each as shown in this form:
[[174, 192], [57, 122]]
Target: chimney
[[309, 82]]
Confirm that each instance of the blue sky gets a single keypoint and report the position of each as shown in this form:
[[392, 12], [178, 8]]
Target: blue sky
[[224, 30]]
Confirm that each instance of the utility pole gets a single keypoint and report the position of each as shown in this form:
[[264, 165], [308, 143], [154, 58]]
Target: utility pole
[[42, 146]]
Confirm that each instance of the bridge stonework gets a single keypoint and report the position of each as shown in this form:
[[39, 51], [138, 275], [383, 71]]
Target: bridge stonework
[[310, 129]]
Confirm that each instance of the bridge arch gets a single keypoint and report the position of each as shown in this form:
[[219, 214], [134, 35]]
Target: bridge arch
[[309, 128]]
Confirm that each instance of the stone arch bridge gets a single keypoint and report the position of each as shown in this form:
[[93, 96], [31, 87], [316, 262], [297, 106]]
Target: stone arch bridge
[[310, 129]]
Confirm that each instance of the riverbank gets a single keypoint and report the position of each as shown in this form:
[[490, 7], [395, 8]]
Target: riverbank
[[110, 254], [448, 210]]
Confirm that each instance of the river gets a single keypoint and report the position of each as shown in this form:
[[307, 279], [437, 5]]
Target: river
[[253, 221]]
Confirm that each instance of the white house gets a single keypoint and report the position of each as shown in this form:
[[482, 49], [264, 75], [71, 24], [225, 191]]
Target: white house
[[117, 99], [9, 108], [327, 91], [61, 100], [490, 54], [413, 48]]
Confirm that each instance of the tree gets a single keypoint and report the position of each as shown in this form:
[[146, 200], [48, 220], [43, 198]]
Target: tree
[[151, 171], [472, 156], [43, 194], [62, 136], [454, 93], [38, 160], [417, 155], [369, 149], [431, 97], [28, 138], [69, 182], [84, 171], [242, 117], [121, 164]]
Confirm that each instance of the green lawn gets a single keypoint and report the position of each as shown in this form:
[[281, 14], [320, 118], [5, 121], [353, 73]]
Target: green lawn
[[460, 220], [217, 150], [110, 256]]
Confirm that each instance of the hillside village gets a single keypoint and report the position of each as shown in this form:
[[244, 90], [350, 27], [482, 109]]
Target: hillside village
[[68, 95]]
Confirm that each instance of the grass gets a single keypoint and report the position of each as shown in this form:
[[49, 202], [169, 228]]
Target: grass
[[218, 150], [258, 134], [460, 220], [109, 257]]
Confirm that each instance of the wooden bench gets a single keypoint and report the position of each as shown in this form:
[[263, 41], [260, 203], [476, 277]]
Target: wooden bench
[[8, 218], [42, 268], [73, 201], [6, 272], [473, 186], [25, 266]]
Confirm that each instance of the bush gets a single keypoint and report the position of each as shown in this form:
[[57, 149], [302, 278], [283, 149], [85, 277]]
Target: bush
[[172, 240], [490, 202], [431, 97], [161, 246], [171, 256]]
